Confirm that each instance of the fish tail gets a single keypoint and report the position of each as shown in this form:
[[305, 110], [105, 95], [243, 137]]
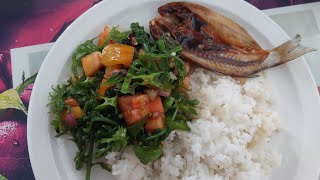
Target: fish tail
[[291, 50]]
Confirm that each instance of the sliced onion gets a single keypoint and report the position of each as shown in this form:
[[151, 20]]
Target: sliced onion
[[70, 119], [122, 71], [134, 41], [152, 93], [172, 76], [164, 93]]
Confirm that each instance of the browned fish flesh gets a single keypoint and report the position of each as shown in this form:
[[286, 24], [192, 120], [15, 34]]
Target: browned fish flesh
[[217, 43]]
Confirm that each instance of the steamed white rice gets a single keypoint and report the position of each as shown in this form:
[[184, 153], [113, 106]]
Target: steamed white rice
[[227, 140]]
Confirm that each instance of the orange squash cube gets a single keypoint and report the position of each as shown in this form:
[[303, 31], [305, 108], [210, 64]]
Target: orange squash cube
[[115, 54], [91, 63]]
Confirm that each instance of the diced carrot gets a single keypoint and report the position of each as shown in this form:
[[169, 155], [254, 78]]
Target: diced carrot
[[107, 75], [102, 91], [72, 102], [91, 63], [156, 105], [103, 36], [77, 112], [155, 122], [103, 88], [114, 54]]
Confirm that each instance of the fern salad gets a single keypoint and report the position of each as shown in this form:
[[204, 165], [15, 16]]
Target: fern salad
[[126, 90]]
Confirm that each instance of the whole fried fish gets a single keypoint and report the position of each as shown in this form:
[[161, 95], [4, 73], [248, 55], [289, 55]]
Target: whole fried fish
[[217, 43]]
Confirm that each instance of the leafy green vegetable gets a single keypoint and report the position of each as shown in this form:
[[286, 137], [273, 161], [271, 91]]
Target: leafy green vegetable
[[167, 45], [157, 80], [108, 102], [58, 105], [114, 144], [115, 79], [105, 166], [148, 153], [117, 36], [168, 102], [134, 130], [90, 154], [120, 37], [102, 128], [143, 38], [11, 99], [181, 125], [79, 160], [147, 72]]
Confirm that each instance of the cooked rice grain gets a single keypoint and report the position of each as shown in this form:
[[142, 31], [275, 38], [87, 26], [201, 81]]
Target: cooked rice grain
[[227, 140]]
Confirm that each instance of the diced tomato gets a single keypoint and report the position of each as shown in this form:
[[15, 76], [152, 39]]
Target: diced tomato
[[155, 122], [91, 63], [140, 101], [134, 108], [77, 112], [103, 36], [72, 102], [156, 105], [133, 116], [133, 102], [125, 103], [114, 54]]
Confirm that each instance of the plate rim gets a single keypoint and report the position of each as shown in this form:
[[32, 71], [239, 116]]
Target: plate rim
[[36, 166]]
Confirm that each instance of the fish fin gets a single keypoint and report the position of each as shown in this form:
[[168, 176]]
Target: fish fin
[[291, 50], [252, 76]]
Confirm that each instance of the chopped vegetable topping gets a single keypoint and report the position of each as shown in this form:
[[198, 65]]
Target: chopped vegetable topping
[[91, 63], [115, 54], [127, 90]]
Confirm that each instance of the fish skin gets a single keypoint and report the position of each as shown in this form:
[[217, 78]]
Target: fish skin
[[217, 43]]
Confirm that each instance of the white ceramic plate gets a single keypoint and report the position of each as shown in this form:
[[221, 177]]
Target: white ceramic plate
[[292, 85]]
